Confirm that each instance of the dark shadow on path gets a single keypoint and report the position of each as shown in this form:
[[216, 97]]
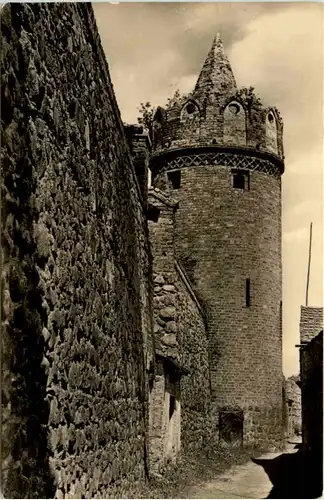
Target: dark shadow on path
[[294, 475]]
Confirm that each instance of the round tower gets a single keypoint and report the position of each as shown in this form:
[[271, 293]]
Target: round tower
[[220, 152]]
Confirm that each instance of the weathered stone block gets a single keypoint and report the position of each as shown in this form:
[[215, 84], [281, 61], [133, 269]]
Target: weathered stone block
[[159, 279], [169, 288], [169, 340], [171, 326], [168, 312]]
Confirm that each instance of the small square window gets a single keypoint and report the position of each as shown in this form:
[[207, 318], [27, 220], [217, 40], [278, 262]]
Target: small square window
[[241, 179], [153, 213], [175, 178], [238, 181]]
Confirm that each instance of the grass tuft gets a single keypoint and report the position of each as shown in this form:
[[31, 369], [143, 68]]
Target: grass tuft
[[192, 468]]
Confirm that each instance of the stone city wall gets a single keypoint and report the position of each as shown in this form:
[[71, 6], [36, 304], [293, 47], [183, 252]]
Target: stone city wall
[[76, 331]]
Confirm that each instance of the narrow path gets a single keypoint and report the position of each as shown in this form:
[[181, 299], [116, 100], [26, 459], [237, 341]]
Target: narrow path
[[242, 481]]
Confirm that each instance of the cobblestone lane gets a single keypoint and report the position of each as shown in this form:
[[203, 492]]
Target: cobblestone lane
[[242, 481]]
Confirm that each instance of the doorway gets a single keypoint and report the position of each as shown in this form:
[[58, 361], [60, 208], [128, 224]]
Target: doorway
[[231, 427]]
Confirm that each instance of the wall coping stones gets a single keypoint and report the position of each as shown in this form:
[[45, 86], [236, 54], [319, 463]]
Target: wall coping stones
[[186, 282], [92, 25], [159, 195], [135, 130]]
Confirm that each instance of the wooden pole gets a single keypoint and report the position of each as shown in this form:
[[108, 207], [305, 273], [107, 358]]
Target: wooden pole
[[309, 261]]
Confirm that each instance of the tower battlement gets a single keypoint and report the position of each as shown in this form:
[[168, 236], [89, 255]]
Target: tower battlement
[[217, 113]]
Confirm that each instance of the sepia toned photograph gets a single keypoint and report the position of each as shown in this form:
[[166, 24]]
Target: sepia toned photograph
[[162, 250]]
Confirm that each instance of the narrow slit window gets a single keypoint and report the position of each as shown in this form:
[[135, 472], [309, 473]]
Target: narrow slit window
[[247, 292], [175, 179]]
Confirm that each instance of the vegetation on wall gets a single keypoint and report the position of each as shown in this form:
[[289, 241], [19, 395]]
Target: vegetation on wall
[[176, 99], [247, 95], [253, 103], [146, 111], [250, 100]]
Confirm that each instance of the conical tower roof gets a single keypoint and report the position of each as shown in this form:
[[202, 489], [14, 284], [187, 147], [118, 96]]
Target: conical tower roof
[[216, 75]]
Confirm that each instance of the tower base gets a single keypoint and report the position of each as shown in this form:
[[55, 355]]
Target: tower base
[[257, 426]]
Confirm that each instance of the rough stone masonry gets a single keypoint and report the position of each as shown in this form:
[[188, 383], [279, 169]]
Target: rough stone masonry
[[76, 319]]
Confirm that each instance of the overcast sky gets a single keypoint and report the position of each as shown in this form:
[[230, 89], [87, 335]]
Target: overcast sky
[[155, 48]]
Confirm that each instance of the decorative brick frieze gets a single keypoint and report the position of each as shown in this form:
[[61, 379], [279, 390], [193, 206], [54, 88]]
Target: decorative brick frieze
[[195, 157]]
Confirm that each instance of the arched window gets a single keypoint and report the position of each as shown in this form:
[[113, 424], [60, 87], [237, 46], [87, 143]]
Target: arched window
[[190, 111], [234, 124], [271, 132]]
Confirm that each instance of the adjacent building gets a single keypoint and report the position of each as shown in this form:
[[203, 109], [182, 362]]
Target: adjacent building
[[311, 382], [311, 376]]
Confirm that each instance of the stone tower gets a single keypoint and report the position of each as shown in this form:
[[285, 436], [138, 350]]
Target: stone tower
[[219, 152]]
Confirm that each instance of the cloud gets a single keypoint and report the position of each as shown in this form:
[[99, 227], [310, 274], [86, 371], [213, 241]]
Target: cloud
[[283, 59], [165, 44], [297, 234]]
